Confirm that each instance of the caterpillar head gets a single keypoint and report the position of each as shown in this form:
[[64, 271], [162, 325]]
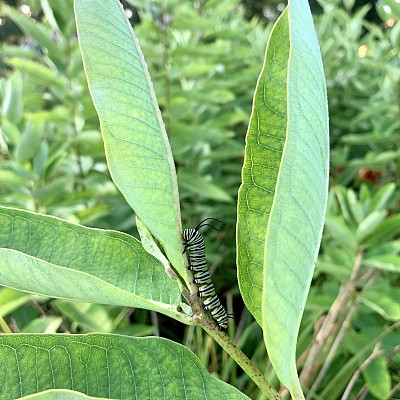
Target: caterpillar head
[[188, 234]]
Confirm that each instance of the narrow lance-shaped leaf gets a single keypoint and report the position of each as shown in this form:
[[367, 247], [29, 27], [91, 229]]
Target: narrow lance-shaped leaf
[[283, 197], [264, 145], [49, 256], [106, 366], [136, 144]]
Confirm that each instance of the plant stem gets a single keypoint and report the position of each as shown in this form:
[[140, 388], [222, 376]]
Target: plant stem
[[241, 359], [334, 348], [4, 326], [330, 326], [375, 353]]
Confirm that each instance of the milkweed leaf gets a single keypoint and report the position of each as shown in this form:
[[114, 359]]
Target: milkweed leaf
[[107, 366], [283, 196], [48, 256], [138, 153]]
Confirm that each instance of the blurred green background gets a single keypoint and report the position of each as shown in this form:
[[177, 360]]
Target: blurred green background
[[204, 58]]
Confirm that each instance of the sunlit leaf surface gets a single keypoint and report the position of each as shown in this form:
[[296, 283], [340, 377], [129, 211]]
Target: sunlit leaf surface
[[107, 366], [283, 195], [137, 149]]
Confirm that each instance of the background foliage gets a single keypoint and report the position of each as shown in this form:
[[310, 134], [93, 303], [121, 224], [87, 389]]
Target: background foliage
[[204, 61]]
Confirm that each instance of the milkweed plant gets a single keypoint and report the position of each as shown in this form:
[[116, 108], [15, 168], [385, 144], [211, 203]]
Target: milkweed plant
[[281, 209]]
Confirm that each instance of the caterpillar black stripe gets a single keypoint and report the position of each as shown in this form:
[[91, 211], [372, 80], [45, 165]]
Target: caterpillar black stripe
[[195, 247]]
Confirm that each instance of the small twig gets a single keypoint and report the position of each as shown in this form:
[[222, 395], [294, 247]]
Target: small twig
[[154, 322], [306, 352], [329, 325], [190, 334], [38, 307], [362, 393], [339, 338], [13, 326], [240, 326], [395, 389], [4, 326], [375, 353]]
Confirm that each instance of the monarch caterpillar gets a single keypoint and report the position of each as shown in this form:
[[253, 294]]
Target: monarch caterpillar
[[195, 246]]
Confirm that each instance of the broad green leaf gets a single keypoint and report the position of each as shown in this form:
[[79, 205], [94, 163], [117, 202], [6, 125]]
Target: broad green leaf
[[59, 394], [136, 144], [283, 196], [110, 366], [11, 299], [264, 145], [199, 185], [49, 256], [377, 378]]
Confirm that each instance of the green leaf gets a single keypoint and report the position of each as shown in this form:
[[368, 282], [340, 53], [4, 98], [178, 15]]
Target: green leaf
[[386, 230], [11, 299], [58, 394], [92, 317], [44, 324], [377, 378], [39, 33], [49, 256], [40, 73], [30, 141], [283, 197], [10, 130], [382, 196], [370, 223], [385, 262], [136, 144], [12, 106], [199, 185], [109, 366], [264, 146], [384, 300], [342, 234]]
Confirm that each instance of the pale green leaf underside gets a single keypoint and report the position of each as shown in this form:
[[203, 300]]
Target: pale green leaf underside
[[52, 257], [58, 394], [296, 221], [137, 148], [107, 366], [264, 145], [283, 195]]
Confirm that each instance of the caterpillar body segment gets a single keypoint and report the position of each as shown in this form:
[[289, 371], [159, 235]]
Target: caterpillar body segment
[[194, 245]]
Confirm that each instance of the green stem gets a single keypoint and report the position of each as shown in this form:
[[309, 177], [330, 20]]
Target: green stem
[[4, 326], [241, 359]]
